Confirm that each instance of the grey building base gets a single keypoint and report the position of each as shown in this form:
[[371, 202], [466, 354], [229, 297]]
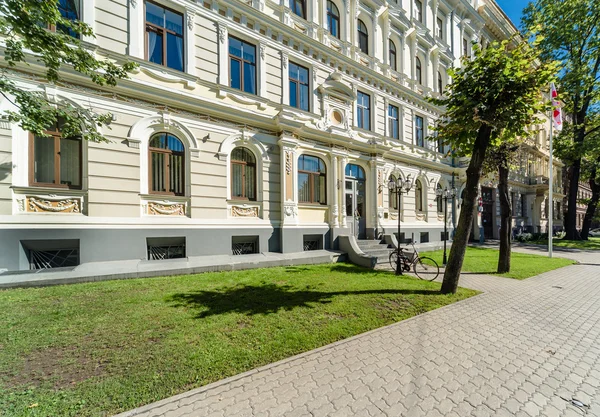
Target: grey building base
[[104, 271], [102, 245], [293, 238]]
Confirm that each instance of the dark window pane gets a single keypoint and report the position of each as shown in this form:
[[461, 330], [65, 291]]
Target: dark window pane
[[293, 94], [249, 78], [236, 182], [174, 21], [250, 182], [158, 172], [235, 47], [70, 162], [303, 187], [303, 75], [304, 97], [155, 14], [175, 144], [174, 52], [43, 164], [155, 47], [235, 75], [158, 141], [249, 52], [176, 173]]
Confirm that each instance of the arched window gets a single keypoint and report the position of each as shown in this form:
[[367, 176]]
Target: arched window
[[243, 174], [393, 194], [440, 202], [363, 37], [440, 83], [167, 162], [298, 7], [312, 179], [418, 74], [418, 196], [333, 19], [393, 63]]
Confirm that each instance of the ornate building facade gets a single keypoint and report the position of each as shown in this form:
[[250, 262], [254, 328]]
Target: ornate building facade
[[249, 126]]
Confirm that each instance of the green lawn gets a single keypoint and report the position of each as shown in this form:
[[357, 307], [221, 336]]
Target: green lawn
[[592, 244], [100, 348], [485, 261]]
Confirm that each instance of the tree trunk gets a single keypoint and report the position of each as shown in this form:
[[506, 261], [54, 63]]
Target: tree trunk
[[574, 173], [505, 219], [465, 221], [591, 208]]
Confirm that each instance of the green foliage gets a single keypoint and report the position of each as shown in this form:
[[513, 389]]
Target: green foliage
[[500, 88], [24, 27]]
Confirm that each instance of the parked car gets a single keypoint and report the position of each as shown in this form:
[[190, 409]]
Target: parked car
[[594, 232]]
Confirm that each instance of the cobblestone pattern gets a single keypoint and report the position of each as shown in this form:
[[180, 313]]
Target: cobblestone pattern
[[520, 349]]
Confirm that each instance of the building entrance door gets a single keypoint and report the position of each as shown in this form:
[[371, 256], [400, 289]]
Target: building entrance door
[[354, 190], [487, 216]]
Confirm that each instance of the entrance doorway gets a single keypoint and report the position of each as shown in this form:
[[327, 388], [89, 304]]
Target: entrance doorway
[[355, 200], [487, 215]]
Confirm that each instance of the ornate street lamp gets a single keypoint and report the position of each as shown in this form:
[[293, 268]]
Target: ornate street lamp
[[400, 186], [445, 194]]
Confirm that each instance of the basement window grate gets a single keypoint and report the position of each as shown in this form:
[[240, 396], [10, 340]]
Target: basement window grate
[[312, 242], [244, 245], [48, 259], [161, 248]]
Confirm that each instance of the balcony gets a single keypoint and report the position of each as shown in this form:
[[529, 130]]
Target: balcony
[[538, 180]]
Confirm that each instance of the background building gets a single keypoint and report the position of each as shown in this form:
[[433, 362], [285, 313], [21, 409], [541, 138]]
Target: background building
[[249, 127]]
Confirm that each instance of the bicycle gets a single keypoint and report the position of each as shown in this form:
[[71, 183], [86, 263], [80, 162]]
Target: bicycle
[[424, 267]]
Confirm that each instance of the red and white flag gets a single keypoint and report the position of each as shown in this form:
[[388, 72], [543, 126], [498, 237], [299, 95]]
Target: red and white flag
[[556, 112]]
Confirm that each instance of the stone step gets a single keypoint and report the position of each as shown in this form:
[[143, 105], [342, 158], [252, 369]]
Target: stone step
[[378, 252], [370, 243]]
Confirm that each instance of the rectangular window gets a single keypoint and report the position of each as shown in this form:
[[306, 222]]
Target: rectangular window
[[298, 8], [363, 111], [523, 206], [299, 87], [419, 10], [513, 201], [440, 144], [164, 36], [242, 65], [394, 122], [419, 138], [55, 161], [465, 47], [69, 10], [440, 28]]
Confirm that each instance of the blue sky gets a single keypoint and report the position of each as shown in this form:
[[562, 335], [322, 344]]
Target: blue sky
[[513, 9]]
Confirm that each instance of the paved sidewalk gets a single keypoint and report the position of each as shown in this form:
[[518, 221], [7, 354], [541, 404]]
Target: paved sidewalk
[[520, 349]]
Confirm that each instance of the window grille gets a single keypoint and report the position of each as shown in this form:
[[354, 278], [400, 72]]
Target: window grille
[[244, 245], [48, 259]]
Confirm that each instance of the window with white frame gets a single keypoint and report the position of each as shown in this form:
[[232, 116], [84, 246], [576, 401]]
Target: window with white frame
[[333, 19], [419, 10], [440, 28], [418, 196], [418, 71], [242, 65], [164, 36], [419, 132], [363, 110], [394, 121], [299, 86], [363, 37], [393, 56]]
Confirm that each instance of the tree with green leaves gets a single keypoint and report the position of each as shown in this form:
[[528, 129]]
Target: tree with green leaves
[[494, 95], [499, 160], [39, 33], [569, 32]]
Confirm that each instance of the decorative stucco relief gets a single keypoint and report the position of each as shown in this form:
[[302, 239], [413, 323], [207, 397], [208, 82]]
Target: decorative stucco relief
[[240, 211], [165, 208], [42, 205]]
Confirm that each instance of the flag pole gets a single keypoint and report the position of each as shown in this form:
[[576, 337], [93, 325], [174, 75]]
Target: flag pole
[[551, 190]]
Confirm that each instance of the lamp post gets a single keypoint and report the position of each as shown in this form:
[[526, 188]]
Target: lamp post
[[445, 194], [400, 186]]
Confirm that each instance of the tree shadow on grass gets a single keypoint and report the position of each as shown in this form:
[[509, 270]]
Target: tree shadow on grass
[[266, 298]]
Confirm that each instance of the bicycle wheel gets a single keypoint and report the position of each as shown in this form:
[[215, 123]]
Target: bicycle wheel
[[393, 259], [426, 268]]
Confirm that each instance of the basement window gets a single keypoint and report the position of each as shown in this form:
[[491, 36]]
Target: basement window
[[160, 248], [244, 245]]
